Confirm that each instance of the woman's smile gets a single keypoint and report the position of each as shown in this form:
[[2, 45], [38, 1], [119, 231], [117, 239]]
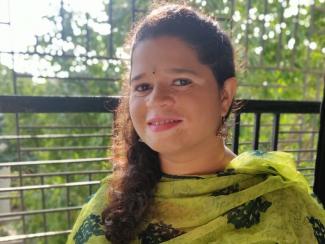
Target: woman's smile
[[159, 124]]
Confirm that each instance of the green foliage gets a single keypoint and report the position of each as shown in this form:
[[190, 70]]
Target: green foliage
[[280, 56]]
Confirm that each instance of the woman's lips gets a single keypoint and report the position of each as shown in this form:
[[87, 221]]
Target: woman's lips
[[161, 125]]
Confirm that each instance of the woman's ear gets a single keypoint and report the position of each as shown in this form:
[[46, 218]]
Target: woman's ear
[[227, 95]]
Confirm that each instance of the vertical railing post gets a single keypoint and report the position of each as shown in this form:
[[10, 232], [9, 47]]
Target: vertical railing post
[[275, 131], [44, 207], [257, 126], [235, 139], [319, 182]]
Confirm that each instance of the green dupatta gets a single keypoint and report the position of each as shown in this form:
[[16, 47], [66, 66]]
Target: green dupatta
[[259, 198]]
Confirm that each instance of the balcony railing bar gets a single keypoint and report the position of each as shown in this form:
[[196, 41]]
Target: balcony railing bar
[[8, 239], [275, 107], [39, 104], [82, 78], [52, 136], [48, 186], [265, 142], [40, 211], [268, 142], [299, 150], [62, 161], [309, 175], [12, 176], [42, 149], [298, 132], [270, 125], [307, 168], [27, 104], [307, 159], [65, 127]]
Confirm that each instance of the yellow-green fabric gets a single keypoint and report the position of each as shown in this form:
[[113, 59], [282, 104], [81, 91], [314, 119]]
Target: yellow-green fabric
[[259, 198]]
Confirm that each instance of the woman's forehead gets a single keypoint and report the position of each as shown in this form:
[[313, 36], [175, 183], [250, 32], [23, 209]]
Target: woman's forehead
[[168, 54], [164, 47]]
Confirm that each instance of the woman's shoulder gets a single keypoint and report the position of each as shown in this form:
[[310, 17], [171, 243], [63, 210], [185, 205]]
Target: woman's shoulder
[[88, 227], [272, 163], [298, 212], [264, 161], [99, 200], [293, 204], [282, 167]]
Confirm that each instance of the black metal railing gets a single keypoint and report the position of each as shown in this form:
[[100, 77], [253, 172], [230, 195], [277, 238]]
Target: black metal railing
[[25, 104]]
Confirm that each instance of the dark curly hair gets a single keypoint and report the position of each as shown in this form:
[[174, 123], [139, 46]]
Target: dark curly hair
[[136, 166]]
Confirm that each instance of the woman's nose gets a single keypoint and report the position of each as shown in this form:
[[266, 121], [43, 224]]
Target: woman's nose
[[160, 96]]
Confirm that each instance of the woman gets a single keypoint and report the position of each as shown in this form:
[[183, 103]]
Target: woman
[[174, 179]]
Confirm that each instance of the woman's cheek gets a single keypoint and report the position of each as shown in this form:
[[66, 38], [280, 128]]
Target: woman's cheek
[[133, 111], [137, 113]]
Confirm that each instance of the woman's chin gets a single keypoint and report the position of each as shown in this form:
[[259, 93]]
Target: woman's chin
[[163, 147]]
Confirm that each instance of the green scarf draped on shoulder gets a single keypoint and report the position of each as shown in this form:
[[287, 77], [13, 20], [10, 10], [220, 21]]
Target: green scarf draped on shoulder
[[259, 198]]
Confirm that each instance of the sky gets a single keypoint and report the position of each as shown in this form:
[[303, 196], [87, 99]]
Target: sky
[[27, 20]]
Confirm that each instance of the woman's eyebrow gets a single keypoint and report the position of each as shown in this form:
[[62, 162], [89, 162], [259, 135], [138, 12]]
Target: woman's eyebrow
[[182, 71], [138, 77], [171, 70]]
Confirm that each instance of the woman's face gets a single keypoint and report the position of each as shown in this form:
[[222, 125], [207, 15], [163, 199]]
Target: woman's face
[[174, 99]]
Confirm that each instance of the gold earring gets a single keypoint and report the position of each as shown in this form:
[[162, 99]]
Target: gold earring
[[223, 130]]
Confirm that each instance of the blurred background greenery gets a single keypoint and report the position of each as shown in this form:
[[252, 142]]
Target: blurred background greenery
[[74, 48]]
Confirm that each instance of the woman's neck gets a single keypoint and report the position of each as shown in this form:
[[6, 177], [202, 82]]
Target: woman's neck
[[200, 160]]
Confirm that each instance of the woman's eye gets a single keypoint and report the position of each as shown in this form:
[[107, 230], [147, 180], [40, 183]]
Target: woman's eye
[[142, 87], [182, 82]]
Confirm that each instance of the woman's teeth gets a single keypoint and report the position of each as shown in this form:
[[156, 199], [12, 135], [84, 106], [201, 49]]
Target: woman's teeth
[[164, 122]]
